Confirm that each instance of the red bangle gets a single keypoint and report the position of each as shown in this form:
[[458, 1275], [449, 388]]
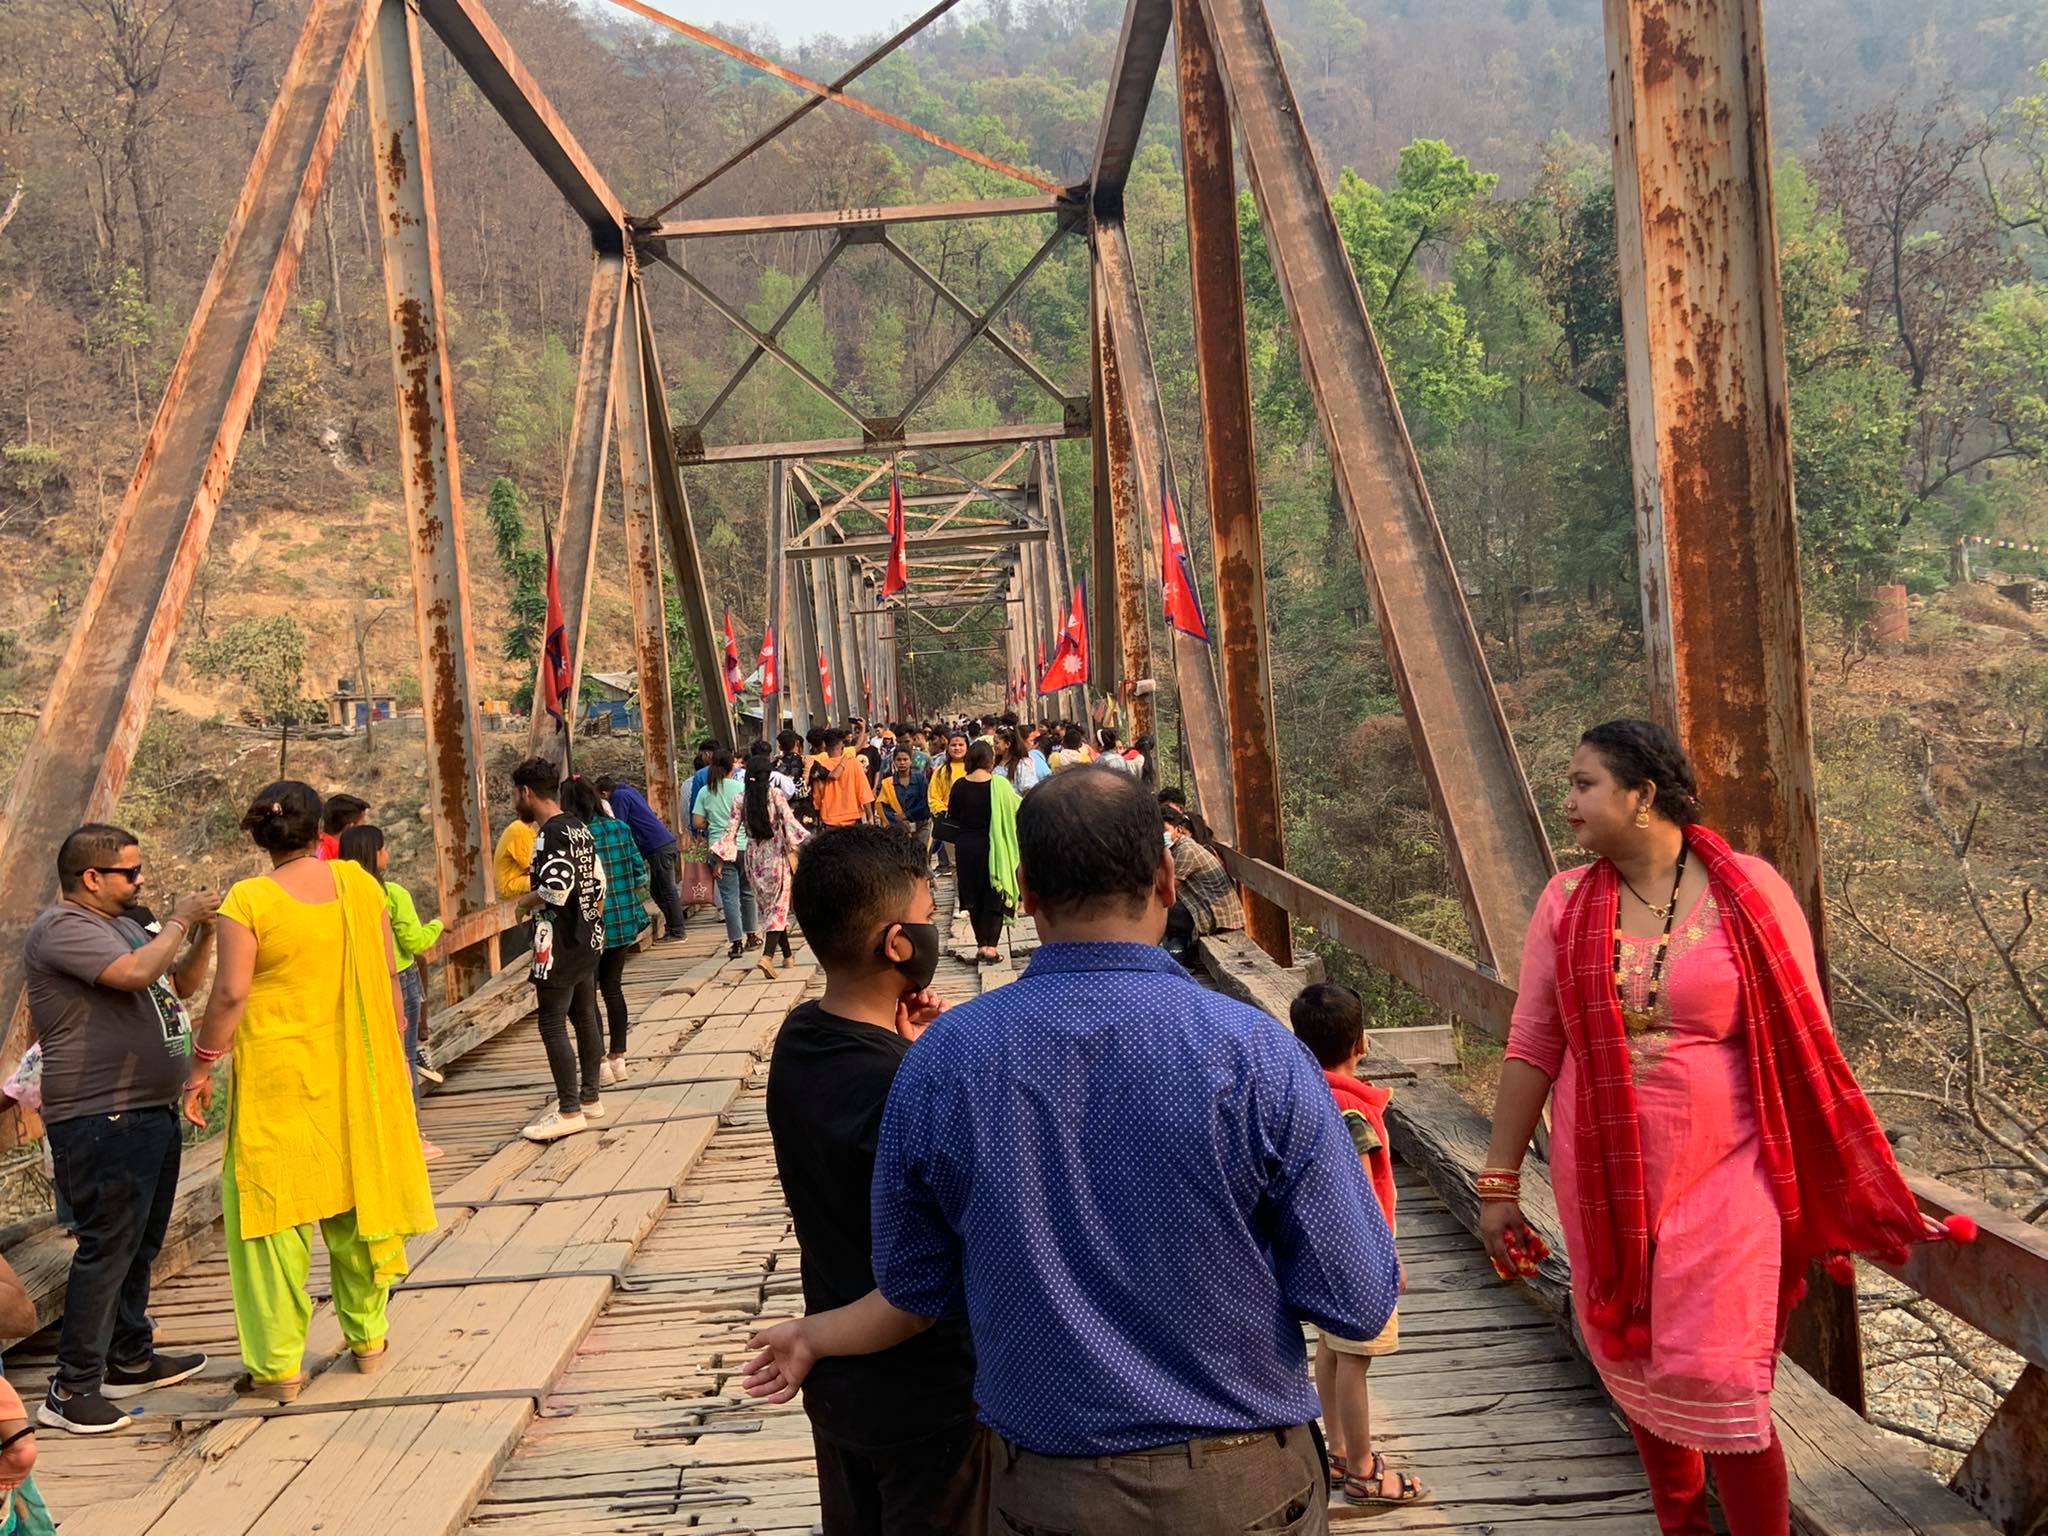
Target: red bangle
[[203, 1054]]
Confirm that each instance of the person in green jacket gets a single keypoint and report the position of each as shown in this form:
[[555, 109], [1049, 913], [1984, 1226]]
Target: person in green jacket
[[412, 938]]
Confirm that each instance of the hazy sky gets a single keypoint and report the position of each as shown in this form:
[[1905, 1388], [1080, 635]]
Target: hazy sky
[[794, 20]]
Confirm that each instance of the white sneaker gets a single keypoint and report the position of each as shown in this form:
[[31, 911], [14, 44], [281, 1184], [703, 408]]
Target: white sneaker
[[618, 1066], [594, 1110], [553, 1126], [604, 1072]]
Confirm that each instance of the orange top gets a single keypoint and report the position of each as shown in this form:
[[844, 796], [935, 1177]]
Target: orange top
[[841, 799]]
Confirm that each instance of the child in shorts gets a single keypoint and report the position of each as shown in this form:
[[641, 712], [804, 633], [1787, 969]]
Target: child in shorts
[[1330, 1020]]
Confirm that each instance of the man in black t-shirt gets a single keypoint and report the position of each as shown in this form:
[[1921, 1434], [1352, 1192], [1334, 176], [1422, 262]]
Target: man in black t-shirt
[[568, 941], [898, 1449]]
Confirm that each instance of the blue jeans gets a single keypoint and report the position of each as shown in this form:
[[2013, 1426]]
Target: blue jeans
[[736, 900], [415, 993], [121, 1174]]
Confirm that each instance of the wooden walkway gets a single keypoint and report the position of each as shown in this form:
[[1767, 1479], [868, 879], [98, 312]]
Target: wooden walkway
[[589, 1404]]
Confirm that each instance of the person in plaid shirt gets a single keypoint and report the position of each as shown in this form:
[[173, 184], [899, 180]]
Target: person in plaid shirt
[[625, 909]]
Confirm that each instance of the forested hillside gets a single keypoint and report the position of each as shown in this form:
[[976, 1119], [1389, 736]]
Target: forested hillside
[[1464, 142]]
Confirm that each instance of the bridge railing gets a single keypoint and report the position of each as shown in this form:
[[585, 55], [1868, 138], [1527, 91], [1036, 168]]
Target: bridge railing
[[1998, 1284]]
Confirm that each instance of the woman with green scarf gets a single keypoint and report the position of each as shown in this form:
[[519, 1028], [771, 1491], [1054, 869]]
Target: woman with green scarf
[[983, 809]]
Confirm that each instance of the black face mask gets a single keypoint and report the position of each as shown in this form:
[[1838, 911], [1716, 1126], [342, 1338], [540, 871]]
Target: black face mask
[[923, 963]]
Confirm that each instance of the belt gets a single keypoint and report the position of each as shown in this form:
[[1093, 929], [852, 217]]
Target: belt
[[1194, 1449]]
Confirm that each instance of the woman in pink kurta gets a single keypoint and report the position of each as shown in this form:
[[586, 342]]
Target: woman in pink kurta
[[1708, 1139]]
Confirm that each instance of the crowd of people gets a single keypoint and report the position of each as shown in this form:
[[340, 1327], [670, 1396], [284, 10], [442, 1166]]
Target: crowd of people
[[1058, 1243]]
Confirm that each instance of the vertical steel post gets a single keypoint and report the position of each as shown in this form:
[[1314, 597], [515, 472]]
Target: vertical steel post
[[1228, 462], [1060, 565], [1104, 637], [430, 469], [672, 502], [637, 451], [800, 582], [825, 639], [1126, 546], [583, 476], [788, 700], [99, 700], [1202, 731], [843, 638], [1709, 430]]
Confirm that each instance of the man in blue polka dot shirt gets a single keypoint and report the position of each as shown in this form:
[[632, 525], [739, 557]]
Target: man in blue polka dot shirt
[[1136, 1190]]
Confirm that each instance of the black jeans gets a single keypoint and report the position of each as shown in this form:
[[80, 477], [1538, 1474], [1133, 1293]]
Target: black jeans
[[662, 885], [933, 1486], [562, 1001], [611, 978], [120, 1173]]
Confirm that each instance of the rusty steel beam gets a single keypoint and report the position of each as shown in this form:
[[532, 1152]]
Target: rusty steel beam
[[2005, 1474], [582, 505], [1060, 574], [1497, 849], [649, 398], [809, 104], [1222, 360], [830, 93], [962, 538], [803, 621], [1105, 668], [788, 697], [639, 449], [431, 472], [1462, 989], [858, 224], [84, 740], [1135, 70], [1076, 425], [1124, 545], [468, 32], [1202, 727], [1709, 434]]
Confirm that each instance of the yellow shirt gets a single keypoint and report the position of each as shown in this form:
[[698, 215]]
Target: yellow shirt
[[513, 862], [939, 789], [322, 1119]]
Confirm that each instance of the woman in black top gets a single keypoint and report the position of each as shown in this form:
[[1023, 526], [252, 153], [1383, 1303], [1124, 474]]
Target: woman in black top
[[970, 810]]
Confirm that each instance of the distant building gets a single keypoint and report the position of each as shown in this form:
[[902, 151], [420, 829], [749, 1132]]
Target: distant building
[[350, 706], [612, 698]]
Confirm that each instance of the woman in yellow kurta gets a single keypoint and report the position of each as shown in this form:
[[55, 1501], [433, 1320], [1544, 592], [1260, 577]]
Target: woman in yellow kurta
[[320, 1122]]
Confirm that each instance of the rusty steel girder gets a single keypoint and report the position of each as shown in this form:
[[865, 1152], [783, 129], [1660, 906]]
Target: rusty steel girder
[[638, 449], [1498, 853], [1710, 438], [98, 701], [1222, 359], [1120, 547], [646, 394], [1201, 701], [582, 506], [430, 472], [1132, 73]]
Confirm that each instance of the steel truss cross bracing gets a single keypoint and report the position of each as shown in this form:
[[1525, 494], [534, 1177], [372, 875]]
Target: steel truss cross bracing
[[987, 528]]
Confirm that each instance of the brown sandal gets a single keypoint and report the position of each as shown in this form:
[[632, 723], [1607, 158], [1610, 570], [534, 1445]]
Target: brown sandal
[[286, 1391], [369, 1362], [1370, 1490]]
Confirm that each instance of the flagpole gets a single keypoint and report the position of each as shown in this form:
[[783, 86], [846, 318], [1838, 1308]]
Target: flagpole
[[547, 533]]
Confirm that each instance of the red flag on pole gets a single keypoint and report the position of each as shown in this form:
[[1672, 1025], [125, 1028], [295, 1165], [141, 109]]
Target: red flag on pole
[[771, 676], [1177, 576], [735, 679], [897, 574], [825, 677], [1069, 668], [554, 665], [1077, 621]]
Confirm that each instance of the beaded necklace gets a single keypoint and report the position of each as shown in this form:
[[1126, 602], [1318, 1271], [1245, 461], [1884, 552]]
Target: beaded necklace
[[1638, 1020]]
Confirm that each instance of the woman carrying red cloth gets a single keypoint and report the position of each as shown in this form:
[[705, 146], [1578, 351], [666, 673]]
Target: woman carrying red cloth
[[1708, 1139]]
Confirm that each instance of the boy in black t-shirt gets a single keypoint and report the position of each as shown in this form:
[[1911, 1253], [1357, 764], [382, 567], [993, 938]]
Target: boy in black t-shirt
[[568, 941], [898, 1449]]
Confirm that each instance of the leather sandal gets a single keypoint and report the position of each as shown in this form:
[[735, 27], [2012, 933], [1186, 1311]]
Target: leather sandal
[[285, 1391], [369, 1362]]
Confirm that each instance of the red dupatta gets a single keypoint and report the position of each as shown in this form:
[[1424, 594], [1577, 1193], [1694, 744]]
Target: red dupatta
[[1838, 1188]]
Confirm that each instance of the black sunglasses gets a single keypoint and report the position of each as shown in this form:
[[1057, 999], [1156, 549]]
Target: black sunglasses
[[130, 872]]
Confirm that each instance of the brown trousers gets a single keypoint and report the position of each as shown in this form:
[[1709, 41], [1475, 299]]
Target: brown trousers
[[1270, 1483]]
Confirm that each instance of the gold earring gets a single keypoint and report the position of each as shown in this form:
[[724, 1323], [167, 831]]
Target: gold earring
[[1642, 815]]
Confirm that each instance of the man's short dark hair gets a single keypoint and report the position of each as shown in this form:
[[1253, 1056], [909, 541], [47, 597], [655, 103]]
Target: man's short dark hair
[[95, 844], [539, 776], [835, 737], [850, 882], [340, 811], [605, 783], [1329, 1019], [1090, 835]]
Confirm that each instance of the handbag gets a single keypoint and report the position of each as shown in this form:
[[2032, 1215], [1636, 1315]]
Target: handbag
[[944, 830]]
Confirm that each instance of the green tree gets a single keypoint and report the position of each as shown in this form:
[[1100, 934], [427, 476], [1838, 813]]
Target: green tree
[[526, 569], [267, 656]]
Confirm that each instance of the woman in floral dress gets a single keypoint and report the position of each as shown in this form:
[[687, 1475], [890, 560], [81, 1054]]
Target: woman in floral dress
[[773, 837]]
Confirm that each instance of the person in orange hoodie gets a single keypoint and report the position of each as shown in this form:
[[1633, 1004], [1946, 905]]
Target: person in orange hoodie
[[1330, 1020]]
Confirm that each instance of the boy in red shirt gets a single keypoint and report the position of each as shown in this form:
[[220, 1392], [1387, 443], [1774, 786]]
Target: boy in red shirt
[[1330, 1020]]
